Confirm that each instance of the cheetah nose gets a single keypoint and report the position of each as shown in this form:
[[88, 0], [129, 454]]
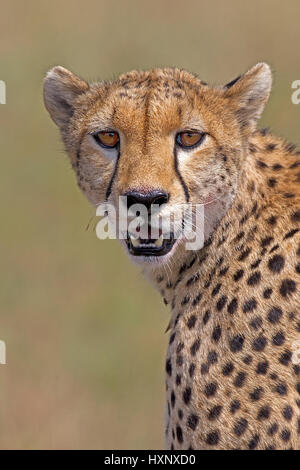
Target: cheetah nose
[[147, 198]]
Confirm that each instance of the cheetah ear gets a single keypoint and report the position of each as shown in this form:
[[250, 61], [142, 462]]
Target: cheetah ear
[[61, 89], [249, 93]]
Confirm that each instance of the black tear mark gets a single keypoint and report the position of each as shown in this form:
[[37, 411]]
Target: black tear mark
[[109, 187], [183, 184]]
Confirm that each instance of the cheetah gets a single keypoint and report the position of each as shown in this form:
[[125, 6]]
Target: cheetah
[[165, 137]]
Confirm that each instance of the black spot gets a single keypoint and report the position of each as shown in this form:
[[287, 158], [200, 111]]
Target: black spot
[[223, 271], [236, 343], [195, 346], [267, 293], [274, 248], [191, 322], [276, 264], [272, 220], [214, 412], [232, 307], [256, 263], [192, 421], [240, 427], [266, 241], [216, 290], [285, 357], [173, 399], [185, 300], [210, 389], [259, 343], [244, 254], [254, 207], [187, 395], [228, 369], [264, 412], [213, 438], [274, 315], [193, 279], [285, 435], [192, 370], [250, 305], [239, 379], [212, 357], [172, 337], [281, 389], [291, 233], [256, 394], [262, 367], [256, 323], [254, 279], [180, 414], [238, 275], [272, 182], [179, 360], [216, 334], [287, 412], [179, 434], [204, 369], [221, 303], [270, 148], [197, 300], [295, 217], [169, 367], [272, 429], [247, 360], [288, 286], [253, 443], [296, 369], [234, 406], [278, 339], [178, 379], [261, 164], [206, 317]]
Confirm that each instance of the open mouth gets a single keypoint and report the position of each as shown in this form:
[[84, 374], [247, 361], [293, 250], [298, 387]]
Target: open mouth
[[150, 246]]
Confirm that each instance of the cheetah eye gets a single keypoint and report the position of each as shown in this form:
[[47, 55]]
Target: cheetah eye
[[189, 139], [107, 139]]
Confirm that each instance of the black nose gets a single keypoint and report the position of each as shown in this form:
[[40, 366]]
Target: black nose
[[147, 198]]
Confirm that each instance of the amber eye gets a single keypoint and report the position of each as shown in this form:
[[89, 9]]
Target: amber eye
[[108, 139], [190, 139]]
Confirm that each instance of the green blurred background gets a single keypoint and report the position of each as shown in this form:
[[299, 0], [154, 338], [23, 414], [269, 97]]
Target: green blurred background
[[84, 332]]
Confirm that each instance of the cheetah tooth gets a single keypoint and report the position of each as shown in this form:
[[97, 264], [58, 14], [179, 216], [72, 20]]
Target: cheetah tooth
[[159, 241], [135, 241]]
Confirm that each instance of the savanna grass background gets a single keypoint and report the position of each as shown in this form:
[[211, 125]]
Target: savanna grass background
[[84, 332]]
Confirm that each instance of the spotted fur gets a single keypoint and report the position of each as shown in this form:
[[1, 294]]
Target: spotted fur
[[230, 379]]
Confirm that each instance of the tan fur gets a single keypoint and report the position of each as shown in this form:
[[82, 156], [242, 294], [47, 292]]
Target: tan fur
[[235, 303]]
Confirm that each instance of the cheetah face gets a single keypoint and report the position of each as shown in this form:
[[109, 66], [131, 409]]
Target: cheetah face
[[162, 141]]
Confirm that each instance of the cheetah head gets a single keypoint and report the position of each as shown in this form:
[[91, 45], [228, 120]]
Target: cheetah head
[[162, 140]]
